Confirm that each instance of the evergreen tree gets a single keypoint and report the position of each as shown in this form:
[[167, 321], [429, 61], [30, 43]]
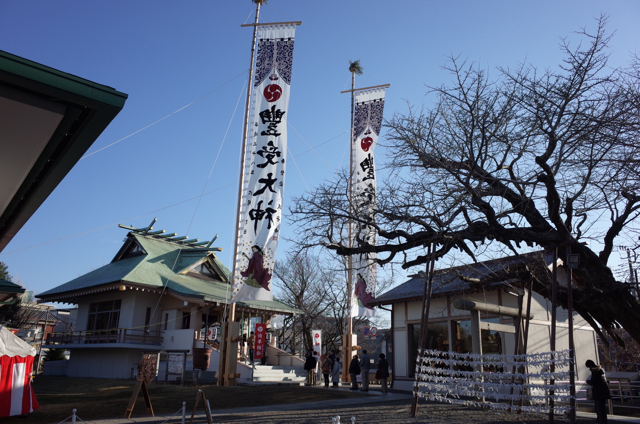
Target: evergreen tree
[[8, 312], [4, 272]]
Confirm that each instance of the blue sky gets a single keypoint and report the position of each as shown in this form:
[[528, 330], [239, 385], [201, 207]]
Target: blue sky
[[167, 55]]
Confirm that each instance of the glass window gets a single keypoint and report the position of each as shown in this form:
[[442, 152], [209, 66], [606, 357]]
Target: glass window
[[491, 340], [437, 339], [104, 315]]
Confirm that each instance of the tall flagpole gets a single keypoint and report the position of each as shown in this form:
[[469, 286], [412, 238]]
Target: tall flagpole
[[225, 358], [347, 341], [350, 340], [245, 124], [350, 261]]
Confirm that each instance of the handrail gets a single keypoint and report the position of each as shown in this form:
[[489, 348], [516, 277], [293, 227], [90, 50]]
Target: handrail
[[114, 335]]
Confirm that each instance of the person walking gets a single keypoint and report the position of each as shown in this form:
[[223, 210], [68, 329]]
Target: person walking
[[383, 369], [365, 366], [252, 345], [326, 366], [310, 368], [335, 372], [599, 389], [354, 371]]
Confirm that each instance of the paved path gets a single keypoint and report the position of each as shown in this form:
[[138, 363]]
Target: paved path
[[376, 408]]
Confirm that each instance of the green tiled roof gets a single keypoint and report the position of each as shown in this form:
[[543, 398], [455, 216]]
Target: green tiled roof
[[155, 269], [163, 264], [9, 287]]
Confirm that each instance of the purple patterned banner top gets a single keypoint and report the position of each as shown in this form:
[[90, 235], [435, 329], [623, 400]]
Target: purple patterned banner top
[[274, 55], [368, 114]]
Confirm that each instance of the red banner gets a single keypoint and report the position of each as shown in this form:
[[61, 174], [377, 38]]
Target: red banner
[[261, 341]]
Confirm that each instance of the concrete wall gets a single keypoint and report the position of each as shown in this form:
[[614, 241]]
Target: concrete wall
[[55, 367], [103, 363], [178, 340]]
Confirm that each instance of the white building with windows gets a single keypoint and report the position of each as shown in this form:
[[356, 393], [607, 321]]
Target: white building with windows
[[456, 303], [157, 294]]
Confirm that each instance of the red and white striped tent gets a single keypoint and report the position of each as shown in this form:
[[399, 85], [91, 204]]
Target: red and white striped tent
[[16, 362]]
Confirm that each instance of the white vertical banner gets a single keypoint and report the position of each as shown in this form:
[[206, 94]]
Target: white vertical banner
[[260, 215], [316, 339], [366, 129]]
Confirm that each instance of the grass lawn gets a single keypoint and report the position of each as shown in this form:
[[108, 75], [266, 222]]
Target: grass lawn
[[98, 398]]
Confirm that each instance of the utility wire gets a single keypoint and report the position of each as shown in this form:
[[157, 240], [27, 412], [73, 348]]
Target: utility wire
[[162, 119], [119, 222], [195, 211]]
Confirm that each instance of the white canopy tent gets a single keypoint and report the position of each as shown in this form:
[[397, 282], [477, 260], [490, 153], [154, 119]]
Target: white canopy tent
[[16, 362]]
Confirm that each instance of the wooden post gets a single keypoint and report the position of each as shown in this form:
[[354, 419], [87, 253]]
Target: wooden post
[[424, 320], [526, 326], [572, 354], [552, 342], [346, 356], [224, 353], [516, 348]]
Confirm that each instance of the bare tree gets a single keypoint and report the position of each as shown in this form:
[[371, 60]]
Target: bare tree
[[317, 286], [302, 283], [620, 358], [536, 158]]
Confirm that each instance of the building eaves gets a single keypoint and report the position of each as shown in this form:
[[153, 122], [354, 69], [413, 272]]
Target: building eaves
[[88, 108], [448, 282]]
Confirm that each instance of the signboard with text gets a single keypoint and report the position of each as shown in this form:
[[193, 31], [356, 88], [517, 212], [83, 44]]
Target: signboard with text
[[261, 340]]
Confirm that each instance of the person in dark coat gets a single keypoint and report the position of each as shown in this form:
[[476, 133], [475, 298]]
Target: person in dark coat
[[600, 390], [383, 368], [326, 365], [365, 366], [354, 372], [310, 368]]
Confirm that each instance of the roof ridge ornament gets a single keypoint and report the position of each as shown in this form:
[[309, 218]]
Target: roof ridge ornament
[[144, 230], [184, 240]]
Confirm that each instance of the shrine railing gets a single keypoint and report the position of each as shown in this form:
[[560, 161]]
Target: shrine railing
[[116, 335]]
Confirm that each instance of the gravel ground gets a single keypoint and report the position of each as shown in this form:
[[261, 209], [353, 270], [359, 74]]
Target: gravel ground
[[388, 412]]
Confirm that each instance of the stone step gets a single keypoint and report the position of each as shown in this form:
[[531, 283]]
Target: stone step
[[276, 373], [276, 367]]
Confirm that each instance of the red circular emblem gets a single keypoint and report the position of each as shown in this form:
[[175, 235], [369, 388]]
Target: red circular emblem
[[365, 143], [272, 92]]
